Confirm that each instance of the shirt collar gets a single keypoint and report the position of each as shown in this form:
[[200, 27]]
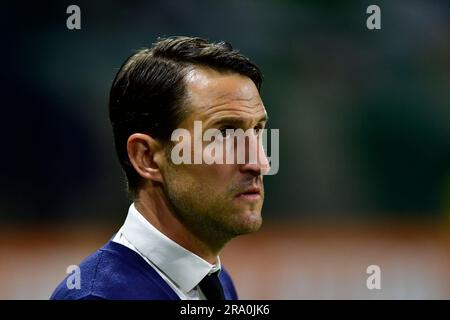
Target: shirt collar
[[185, 268]]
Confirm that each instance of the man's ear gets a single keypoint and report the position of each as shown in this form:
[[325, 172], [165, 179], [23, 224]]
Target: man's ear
[[146, 155]]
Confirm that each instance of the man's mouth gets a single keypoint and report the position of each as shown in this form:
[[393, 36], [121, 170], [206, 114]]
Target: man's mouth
[[251, 194]]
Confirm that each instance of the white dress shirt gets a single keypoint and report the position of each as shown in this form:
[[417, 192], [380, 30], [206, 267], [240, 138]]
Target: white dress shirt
[[180, 268]]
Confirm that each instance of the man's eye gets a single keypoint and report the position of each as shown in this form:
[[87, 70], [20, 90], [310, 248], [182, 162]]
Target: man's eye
[[258, 129], [226, 131]]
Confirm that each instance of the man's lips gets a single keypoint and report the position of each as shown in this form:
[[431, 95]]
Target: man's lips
[[252, 190], [252, 193]]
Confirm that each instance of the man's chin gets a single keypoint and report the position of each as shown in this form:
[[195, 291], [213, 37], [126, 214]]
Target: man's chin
[[249, 222]]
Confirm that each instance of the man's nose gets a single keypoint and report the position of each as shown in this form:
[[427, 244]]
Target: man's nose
[[256, 161]]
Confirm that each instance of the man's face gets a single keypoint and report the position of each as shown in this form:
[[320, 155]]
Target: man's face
[[219, 200]]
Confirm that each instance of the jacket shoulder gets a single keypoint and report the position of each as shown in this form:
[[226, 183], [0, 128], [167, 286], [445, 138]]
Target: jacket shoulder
[[115, 272]]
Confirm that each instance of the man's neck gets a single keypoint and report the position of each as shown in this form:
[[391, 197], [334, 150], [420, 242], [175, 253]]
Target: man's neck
[[153, 205]]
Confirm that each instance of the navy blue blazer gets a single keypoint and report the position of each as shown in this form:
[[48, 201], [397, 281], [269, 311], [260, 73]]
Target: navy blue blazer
[[115, 272]]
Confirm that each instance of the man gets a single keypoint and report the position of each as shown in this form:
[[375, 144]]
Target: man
[[182, 214]]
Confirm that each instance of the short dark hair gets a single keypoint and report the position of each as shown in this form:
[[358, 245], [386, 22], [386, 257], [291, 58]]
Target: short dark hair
[[148, 91]]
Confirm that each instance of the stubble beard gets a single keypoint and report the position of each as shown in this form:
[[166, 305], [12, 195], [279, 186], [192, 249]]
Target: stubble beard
[[211, 217]]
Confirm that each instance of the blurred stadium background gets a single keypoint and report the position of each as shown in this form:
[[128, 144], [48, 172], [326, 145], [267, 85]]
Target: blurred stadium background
[[364, 121]]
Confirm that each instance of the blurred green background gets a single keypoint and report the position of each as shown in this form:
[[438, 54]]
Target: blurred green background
[[364, 116]]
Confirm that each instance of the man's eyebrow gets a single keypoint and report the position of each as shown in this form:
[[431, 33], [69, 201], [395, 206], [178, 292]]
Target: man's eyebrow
[[264, 118], [237, 120]]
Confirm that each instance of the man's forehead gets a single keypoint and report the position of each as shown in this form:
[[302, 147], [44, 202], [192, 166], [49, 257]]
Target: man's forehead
[[213, 93]]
